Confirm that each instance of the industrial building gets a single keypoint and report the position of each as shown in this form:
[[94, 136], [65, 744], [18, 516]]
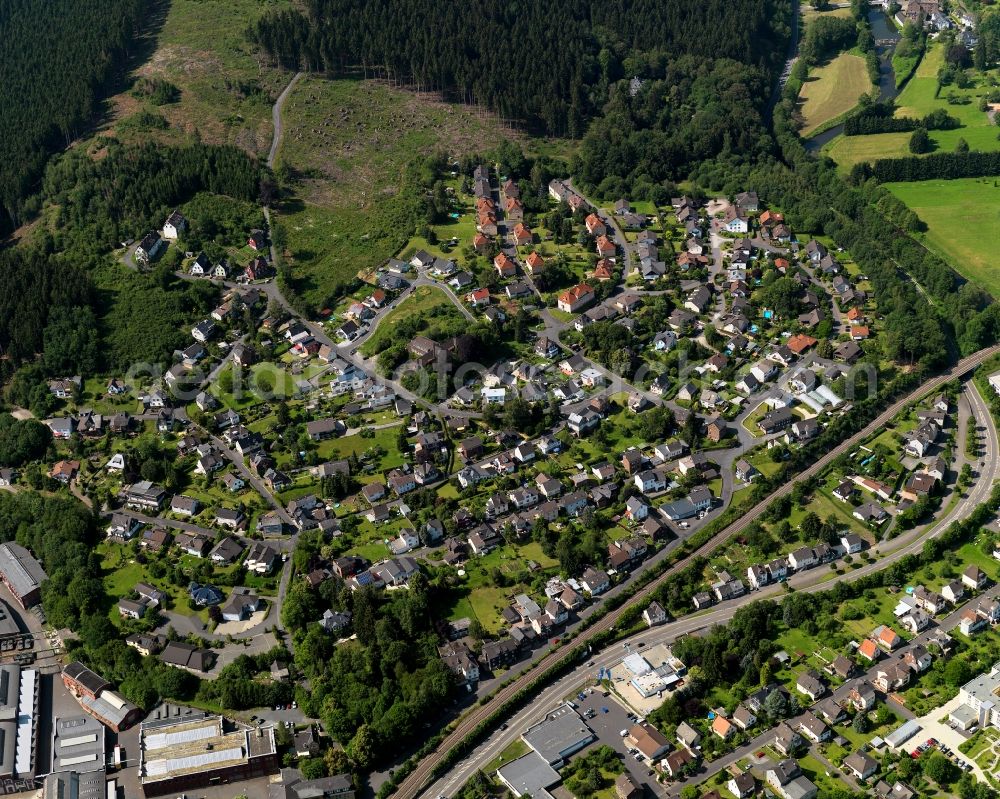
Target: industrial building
[[18, 717], [179, 755], [11, 637], [21, 573], [78, 744], [74, 785], [95, 696]]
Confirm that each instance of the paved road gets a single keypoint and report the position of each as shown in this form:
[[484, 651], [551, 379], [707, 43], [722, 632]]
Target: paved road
[[617, 235], [414, 784]]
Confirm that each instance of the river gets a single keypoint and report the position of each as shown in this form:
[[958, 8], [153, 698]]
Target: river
[[886, 36]]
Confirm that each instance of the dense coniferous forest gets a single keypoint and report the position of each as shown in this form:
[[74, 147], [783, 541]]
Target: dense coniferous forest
[[56, 55], [700, 109], [946, 166], [34, 289], [552, 64]]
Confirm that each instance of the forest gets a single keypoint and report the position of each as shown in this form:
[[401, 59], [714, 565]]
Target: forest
[[133, 188], [936, 165], [375, 694], [34, 289], [56, 58], [698, 109], [60, 298], [552, 65]]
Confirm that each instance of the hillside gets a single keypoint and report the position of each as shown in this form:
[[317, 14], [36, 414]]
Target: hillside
[[492, 57], [56, 60]]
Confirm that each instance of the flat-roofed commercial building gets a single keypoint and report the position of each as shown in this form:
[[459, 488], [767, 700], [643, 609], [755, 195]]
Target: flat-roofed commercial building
[[178, 755], [561, 734], [78, 744], [529, 775]]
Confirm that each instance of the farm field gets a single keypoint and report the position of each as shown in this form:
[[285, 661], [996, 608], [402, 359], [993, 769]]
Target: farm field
[[832, 90], [346, 147], [952, 209], [917, 100]]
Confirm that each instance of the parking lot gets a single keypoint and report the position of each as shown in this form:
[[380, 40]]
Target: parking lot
[[944, 734], [607, 726]]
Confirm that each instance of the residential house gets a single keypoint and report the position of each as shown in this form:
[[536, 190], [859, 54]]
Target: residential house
[[688, 736], [953, 591], [861, 765], [786, 740], [595, 581], [723, 728], [811, 684], [654, 615], [812, 728], [974, 578], [575, 298]]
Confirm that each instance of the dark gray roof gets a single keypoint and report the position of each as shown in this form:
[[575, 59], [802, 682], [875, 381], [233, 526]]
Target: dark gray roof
[[20, 569]]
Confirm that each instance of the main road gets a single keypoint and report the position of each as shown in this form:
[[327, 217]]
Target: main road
[[415, 782]]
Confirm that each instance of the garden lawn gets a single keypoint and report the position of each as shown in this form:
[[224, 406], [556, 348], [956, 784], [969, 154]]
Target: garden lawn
[[832, 90], [963, 223], [533, 551], [337, 448], [487, 601]]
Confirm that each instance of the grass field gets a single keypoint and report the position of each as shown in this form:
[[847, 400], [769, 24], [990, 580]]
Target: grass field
[[917, 100], [421, 300], [346, 146], [809, 13], [963, 223], [832, 90]]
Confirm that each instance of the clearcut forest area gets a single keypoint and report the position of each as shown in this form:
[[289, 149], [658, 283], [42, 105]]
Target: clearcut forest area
[[347, 145]]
